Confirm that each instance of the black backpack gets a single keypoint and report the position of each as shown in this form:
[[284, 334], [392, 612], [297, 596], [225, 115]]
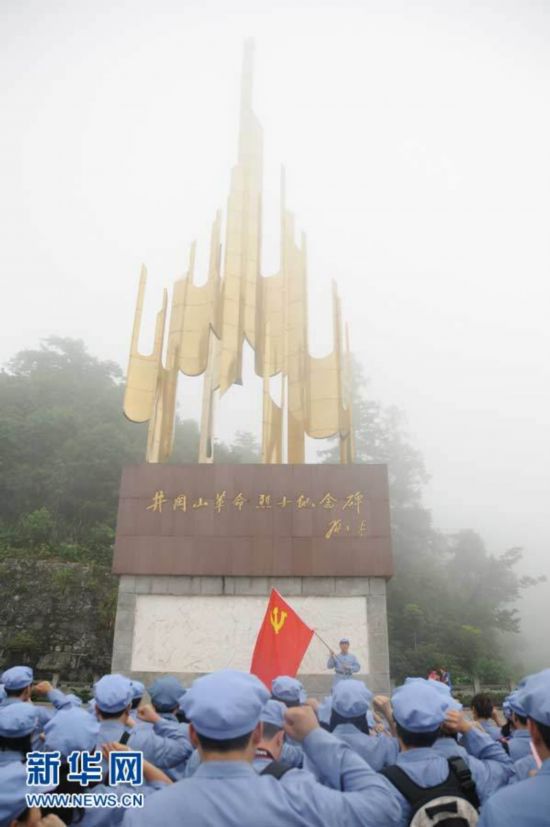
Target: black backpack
[[453, 803], [276, 768]]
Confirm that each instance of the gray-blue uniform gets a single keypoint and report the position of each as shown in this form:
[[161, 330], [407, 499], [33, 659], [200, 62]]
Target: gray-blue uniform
[[344, 665], [13, 789], [291, 754], [18, 678], [419, 707], [75, 729], [491, 729], [528, 802], [164, 745], [16, 721], [272, 713], [519, 744], [523, 768], [166, 694], [290, 692], [449, 748], [350, 699], [227, 705]]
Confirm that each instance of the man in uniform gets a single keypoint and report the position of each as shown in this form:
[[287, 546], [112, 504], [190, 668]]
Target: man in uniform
[[165, 693], [288, 690], [138, 691], [13, 789], [350, 703], [527, 802], [273, 746], [164, 744], [419, 711], [18, 723], [17, 682], [224, 709], [344, 664], [519, 744]]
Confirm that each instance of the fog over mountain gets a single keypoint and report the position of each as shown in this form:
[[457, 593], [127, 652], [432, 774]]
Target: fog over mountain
[[415, 138]]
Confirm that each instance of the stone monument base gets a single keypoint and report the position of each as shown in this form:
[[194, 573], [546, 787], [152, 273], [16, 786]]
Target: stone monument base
[[188, 626]]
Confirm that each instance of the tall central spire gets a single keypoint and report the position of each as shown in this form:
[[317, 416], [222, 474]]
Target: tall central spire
[[243, 237], [209, 324]]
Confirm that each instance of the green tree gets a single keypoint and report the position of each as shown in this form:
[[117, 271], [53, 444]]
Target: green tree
[[449, 600], [63, 440], [63, 443]]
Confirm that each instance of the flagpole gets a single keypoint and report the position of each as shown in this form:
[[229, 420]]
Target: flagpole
[[316, 633]]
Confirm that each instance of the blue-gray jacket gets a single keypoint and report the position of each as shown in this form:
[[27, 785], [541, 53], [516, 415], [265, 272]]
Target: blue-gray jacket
[[233, 794], [526, 804]]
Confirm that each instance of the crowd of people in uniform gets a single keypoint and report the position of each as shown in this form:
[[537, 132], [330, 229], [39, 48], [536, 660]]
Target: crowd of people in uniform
[[229, 751]]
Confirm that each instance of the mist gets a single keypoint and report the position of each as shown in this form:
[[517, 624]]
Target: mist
[[415, 140]]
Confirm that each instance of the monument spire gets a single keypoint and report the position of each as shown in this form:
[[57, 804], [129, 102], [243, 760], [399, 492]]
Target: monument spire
[[210, 322], [247, 83]]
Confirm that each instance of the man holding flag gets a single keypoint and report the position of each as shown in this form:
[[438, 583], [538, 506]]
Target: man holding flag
[[282, 643], [344, 663]]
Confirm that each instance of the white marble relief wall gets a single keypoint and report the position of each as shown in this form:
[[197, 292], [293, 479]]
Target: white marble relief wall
[[175, 633]]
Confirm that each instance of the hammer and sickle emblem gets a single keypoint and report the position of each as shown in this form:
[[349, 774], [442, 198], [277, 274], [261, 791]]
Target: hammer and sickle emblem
[[277, 621]]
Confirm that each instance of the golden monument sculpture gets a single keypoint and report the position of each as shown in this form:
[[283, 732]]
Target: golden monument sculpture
[[209, 324]]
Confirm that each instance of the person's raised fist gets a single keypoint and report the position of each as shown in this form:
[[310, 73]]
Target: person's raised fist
[[43, 687], [299, 722], [148, 713]]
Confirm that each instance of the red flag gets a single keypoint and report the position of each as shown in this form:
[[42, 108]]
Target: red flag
[[281, 643]]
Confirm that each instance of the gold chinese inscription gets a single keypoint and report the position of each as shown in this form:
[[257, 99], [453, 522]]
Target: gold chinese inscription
[[342, 522], [157, 501]]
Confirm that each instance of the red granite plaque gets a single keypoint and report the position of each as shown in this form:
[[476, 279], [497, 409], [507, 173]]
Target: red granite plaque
[[254, 520]]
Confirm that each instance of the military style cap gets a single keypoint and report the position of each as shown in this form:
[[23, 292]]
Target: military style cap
[[13, 789], [344, 640], [442, 688], [18, 720], [287, 689], [165, 693], [71, 729], [515, 704], [418, 707], [225, 704], [273, 713], [138, 689], [534, 697], [113, 693], [18, 677], [351, 698]]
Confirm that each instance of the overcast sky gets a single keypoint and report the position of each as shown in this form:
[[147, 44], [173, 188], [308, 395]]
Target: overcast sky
[[416, 141]]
